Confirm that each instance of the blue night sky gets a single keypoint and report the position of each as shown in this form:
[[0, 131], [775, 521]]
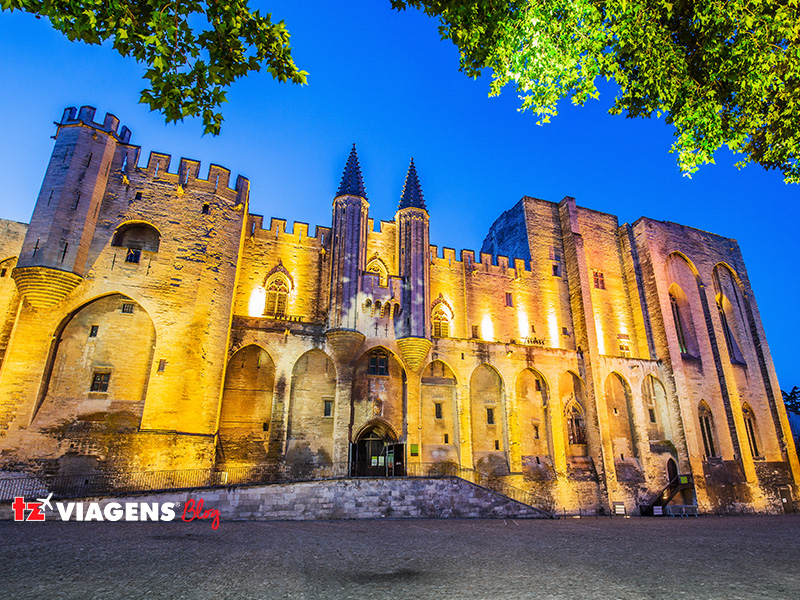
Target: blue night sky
[[385, 81]]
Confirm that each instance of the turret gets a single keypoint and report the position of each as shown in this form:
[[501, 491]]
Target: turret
[[54, 254], [413, 243], [348, 245]]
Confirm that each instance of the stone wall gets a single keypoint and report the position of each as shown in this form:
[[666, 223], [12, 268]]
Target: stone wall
[[345, 499]]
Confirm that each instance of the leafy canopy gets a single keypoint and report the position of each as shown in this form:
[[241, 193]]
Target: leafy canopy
[[792, 400], [193, 49], [723, 72]]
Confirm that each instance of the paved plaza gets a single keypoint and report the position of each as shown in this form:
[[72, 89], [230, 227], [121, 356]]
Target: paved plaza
[[709, 557]]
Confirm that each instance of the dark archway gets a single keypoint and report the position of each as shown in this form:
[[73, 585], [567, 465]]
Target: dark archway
[[376, 453]]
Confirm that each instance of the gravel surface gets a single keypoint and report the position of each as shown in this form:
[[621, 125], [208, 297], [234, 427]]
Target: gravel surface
[[708, 557]]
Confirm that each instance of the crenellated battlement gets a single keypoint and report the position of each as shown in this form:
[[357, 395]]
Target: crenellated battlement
[[297, 233], [500, 265], [85, 116], [188, 173]]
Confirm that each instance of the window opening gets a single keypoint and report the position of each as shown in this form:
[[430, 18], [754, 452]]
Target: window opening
[[509, 299], [707, 430], [277, 297], [206, 208], [133, 255], [599, 280], [93, 331], [162, 365], [100, 382], [127, 309], [327, 408], [446, 438], [378, 363], [437, 410], [490, 416], [676, 317], [576, 426]]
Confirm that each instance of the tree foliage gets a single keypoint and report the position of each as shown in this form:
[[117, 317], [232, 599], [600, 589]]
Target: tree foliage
[[193, 49], [792, 400], [723, 72]]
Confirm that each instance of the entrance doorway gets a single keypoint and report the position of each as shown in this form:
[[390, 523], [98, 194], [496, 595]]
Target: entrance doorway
[[377, 454]]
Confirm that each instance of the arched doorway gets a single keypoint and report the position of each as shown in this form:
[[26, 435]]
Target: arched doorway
[[376, 453]]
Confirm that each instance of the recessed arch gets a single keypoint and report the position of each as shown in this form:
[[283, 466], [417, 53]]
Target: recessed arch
[[487, 406], [751, 430], [571, 393], [376, 265], [619, 401], [531, 393], [100, 363], [312, 410], [708, 431], [137, 235], [440, 426], [246, 407], [654, 397]]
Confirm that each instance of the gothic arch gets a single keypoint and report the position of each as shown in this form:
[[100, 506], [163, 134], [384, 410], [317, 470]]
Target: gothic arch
[[312, 410], [440, 425], [487, 408], [441, 318], [246, 407], [708, 431], [100, 362], [532, 405], [140, 235], [654, 397], [572, 399], [376, 265], [622, 427], [682, 321], [732, 311]]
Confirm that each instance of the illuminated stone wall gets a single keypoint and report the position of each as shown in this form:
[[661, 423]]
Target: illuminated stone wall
[[605, 352]]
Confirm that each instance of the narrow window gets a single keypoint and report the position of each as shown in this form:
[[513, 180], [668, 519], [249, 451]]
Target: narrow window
[[599, 280], [35, 248], [138, 195], [509, 299], [327, 408], [127, 309], [206, 208], [162, 365], [89, 159], [750, 428], [538, 385], [564, 331], [93, 331], [438, 410], [3, 272], [50, 198], [497, 444], [490, 416], [265, 427], [625, 348], [475, 332], [100, 382], [576, 426], [133, 255], [446, 438], [676, 318], [556, 270], [64, 252], [652, 412], [707, 431], [733, 348], [536, 432], [77, 201]]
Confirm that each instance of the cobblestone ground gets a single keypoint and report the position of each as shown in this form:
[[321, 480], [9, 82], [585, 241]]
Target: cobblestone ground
[[709, 557]]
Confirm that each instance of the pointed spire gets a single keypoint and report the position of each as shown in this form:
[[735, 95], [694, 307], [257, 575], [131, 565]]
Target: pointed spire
[[412, 193], [352, 183]]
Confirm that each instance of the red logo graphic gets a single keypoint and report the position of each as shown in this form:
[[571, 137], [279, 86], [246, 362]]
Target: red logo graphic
[[20, 506], [194, 510]]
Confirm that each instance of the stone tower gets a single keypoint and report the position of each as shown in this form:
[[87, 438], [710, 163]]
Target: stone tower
[[413, 231], [348, 245], [53, 257]]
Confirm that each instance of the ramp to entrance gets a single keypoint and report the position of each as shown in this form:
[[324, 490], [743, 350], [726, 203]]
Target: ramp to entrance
[[360, 498]]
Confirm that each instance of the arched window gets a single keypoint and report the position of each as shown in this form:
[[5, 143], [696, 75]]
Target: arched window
[[707, 430], [136, 237], [378, 363], [676, 317], [441, 317], [277, 297], [576, 424], [441, 321], [750, 428], [377, 266]]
